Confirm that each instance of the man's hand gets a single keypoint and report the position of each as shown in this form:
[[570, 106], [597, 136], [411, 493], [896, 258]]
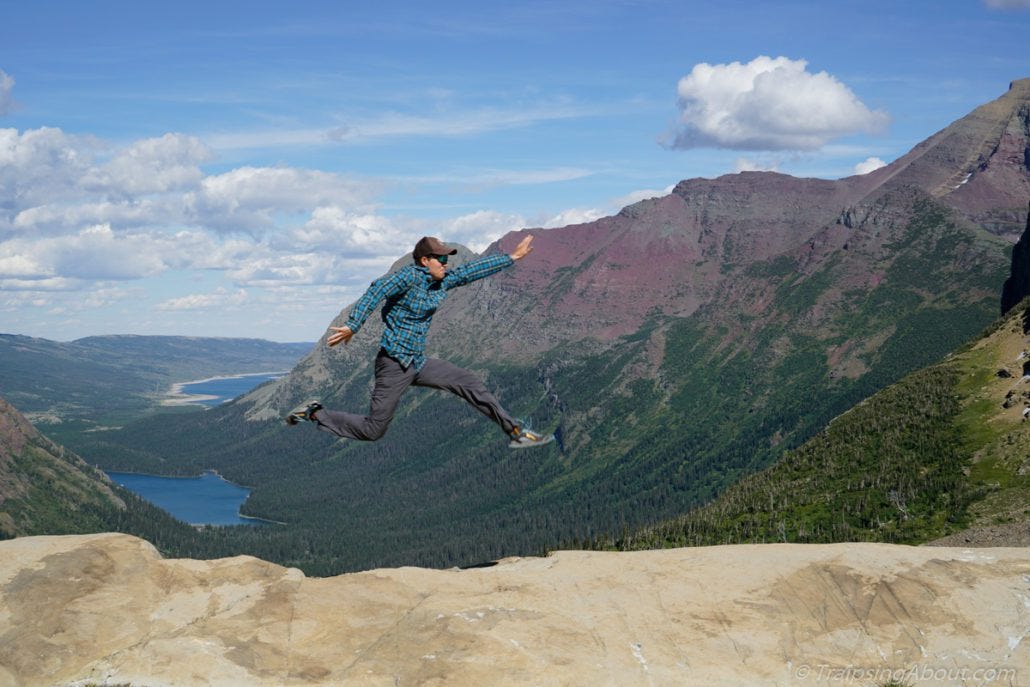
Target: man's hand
[[523, 249], [339, 334]]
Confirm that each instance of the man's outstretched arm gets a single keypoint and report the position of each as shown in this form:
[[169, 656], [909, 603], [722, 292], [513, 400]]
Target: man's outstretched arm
[[486, 266], [381, 289]]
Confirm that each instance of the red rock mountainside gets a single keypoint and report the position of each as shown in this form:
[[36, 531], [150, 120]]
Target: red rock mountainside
[[673, 253]]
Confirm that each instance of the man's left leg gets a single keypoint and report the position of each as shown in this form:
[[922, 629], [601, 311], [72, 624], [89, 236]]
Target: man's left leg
[[440, 374]]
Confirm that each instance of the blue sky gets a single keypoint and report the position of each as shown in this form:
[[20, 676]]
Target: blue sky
[[246, 168]]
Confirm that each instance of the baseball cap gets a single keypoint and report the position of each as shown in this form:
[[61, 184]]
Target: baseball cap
[[430, 245]]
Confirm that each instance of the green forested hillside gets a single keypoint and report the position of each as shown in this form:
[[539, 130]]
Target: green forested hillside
[[945, 448]]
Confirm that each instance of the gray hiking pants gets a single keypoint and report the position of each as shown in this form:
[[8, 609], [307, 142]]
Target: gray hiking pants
[[392, 381]]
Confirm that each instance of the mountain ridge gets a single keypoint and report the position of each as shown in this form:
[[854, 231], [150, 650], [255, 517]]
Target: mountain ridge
[[103, 381]]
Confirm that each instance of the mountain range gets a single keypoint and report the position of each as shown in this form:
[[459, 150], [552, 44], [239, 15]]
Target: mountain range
[[101, 381], [677, 347]]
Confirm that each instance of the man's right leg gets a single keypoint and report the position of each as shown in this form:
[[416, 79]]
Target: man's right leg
[[391, 382]]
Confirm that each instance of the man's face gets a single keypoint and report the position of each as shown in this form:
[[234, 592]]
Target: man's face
[[437, 269]]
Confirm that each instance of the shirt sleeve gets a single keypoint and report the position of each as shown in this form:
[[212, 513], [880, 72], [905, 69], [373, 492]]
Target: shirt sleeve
[[381, 289], [477, 269]]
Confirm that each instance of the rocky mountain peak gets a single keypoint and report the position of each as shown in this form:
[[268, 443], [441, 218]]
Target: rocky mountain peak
[[979, 164]]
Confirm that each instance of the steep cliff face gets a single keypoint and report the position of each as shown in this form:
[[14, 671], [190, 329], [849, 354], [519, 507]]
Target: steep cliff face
[[106, 609], [45, 488], [1017, 286]]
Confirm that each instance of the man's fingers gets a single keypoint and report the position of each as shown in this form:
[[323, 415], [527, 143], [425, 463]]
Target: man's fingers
[[339, 334]]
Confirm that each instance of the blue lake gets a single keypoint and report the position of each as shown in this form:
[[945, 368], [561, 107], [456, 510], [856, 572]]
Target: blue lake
[[208, 499], [212, 392], [204, 500]]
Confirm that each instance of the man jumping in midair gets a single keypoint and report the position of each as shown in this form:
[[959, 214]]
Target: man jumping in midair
[[412, 295]]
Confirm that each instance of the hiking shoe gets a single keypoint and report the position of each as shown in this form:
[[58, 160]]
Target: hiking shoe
[[527, 438], [305, 413]]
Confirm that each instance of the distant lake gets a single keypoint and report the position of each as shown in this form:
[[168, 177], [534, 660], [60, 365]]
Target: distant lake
[[217, 390], [204, 500]]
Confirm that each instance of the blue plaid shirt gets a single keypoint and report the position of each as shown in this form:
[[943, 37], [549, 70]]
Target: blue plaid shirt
[[412, 297]]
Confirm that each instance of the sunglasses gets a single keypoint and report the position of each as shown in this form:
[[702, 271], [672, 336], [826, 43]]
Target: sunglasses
[[442, 259]]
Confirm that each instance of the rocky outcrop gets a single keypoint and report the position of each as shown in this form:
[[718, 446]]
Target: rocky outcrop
[[1017, 286], [108, 610]]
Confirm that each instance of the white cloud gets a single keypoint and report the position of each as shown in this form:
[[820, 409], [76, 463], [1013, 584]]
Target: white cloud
[[573, 216], [95, 253], [744, 164], [6, 88], [52, 183], [85, 225], [536, 176], [767, 104], [335, 229], [77, 208], [220, 298], [37, 285], [477, 230], [104, 296], [153, 165], [485, 178], [252, 199], [63, 218], [204, 251], [294, 269], [41, 166], [16, 265], [393, 125], [642, 194], [869, 164], [611, 206]]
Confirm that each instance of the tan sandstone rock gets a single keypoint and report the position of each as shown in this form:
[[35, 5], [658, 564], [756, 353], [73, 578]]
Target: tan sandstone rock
[[108, 610]]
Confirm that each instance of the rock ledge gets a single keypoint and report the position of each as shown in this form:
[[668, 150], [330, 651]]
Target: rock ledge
[[108, 610]]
